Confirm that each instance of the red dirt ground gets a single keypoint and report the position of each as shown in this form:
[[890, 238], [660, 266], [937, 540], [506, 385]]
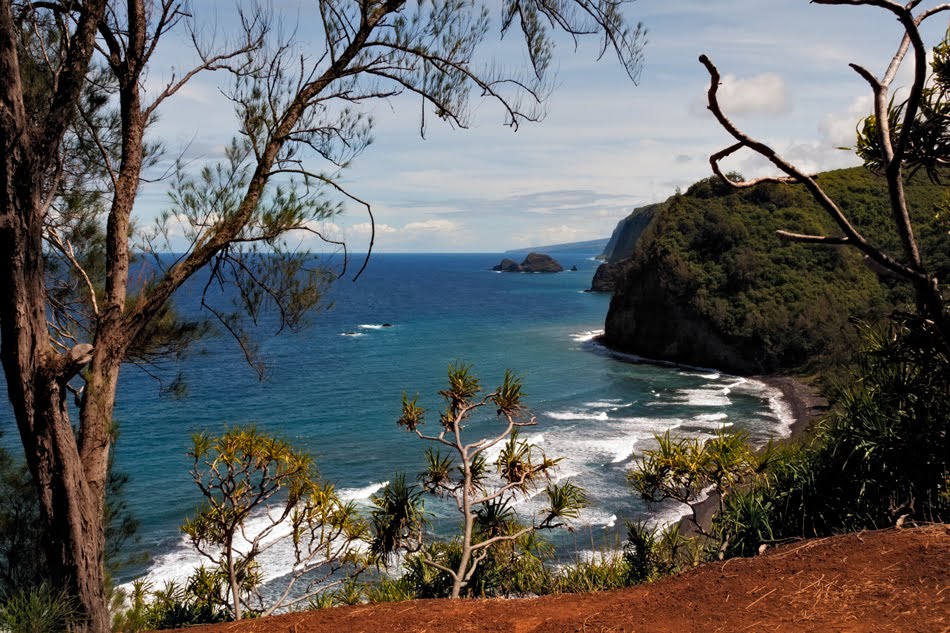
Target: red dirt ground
[[891, 580]]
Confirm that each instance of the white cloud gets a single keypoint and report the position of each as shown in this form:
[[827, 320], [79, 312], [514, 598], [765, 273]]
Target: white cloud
[[435, 225], [759, 95], [365, 228], [839, 128], [561, 234]]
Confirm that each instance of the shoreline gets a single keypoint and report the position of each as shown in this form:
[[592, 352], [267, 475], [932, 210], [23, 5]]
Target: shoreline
[[805, 407], [804, 403]]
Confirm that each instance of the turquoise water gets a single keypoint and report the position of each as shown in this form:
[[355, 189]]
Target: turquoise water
[[335, 389]]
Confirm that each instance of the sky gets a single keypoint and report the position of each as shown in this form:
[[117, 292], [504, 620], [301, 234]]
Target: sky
[[605, 145]]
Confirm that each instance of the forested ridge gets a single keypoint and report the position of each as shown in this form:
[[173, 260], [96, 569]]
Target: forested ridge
[[711, 283]]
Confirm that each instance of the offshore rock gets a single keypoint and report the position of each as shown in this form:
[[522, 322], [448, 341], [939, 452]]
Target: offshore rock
[[533, 263], [540, 263], [508, 266]]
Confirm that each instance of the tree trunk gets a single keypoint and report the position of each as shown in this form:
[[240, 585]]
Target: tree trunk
[[36, 383], [232, 578], [72, 509], [462, 571]]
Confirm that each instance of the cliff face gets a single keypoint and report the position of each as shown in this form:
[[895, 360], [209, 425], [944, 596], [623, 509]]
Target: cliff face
[[653, 313], [620, 248], [709, 283], [608, 276], [628, 231], [646, 319]]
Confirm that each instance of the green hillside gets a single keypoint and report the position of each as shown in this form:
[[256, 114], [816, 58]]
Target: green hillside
[[710, 283]]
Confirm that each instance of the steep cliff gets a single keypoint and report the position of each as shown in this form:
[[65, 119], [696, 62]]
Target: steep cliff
[[620, 247], [628, 231], [709, 283]]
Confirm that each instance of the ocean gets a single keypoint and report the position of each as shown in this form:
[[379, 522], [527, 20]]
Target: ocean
[[335, 388]]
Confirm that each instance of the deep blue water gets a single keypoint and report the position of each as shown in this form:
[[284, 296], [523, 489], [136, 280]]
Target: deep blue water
[[335, 389]]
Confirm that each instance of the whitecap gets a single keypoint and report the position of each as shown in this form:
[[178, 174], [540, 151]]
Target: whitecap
[[276, 557], [361, 494], [704, 397], [611, 403], [351, 334], [596, 517], [584, 337], [621, 449], [713, 375], [711, 417], [576, 415]]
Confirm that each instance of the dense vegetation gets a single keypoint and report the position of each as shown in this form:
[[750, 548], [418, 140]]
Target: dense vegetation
[[712, 284], [881, 457]]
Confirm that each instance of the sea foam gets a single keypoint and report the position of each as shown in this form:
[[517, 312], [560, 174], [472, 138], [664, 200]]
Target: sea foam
[[613, 404], [589, 335], [361, 494]]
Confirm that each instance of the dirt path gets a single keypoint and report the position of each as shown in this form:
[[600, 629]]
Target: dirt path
[[873, 581]]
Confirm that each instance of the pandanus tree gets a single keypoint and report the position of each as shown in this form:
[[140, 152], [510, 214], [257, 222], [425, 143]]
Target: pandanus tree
[[482, 488], [247, 476]]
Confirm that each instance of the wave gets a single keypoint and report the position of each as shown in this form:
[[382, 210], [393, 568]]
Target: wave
[[707, 396], [361, 494], [711, 417], [173, 566], [588, 335], [621, 448], [576, 415], [596, 517], [779, 407], [351, 334], [276, 558], [712, 375], [373, 326], [610, 403]]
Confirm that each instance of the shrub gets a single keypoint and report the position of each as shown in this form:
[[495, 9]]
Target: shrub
[[38, 610]]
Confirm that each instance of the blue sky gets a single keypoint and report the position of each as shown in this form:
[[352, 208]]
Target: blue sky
[[605, 146]]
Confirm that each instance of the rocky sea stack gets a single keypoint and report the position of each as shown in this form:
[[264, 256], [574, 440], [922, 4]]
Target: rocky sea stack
[[533, 263]]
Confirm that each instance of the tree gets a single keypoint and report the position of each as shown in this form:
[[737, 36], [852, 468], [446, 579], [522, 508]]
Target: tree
[[72, 163], [897, 140], [245, 474], [683, 468], [485, 506]]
